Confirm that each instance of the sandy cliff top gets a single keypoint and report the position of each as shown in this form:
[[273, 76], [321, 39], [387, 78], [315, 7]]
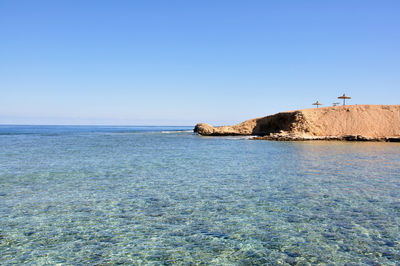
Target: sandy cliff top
[[366, 120], [372, 121]]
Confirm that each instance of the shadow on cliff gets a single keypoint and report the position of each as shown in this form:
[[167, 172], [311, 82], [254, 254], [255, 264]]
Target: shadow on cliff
[[274, 123]]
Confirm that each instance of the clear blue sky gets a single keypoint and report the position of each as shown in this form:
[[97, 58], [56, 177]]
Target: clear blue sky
[[182, 62]]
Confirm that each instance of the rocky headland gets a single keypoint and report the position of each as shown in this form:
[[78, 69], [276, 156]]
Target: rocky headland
[[349, 122]]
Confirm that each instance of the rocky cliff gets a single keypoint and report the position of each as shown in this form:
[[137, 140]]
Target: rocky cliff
[[350, 122]]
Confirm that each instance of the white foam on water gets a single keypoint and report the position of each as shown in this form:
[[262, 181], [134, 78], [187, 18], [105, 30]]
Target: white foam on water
[[238, 137], [176, 131]]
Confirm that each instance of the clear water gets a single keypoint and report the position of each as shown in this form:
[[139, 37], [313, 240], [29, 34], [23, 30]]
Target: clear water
[[156, 195]]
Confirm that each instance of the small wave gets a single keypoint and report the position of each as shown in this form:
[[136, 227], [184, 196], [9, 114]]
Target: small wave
[[238, 137], [15, 133], [176, 131]]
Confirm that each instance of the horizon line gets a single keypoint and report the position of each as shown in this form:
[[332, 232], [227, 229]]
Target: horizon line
[[95, 125]]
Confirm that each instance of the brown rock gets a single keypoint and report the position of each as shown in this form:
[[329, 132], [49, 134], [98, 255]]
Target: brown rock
[[350, 122], [204, 129]]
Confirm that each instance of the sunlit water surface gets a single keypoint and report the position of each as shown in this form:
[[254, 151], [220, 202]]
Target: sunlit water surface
[[156, 195]]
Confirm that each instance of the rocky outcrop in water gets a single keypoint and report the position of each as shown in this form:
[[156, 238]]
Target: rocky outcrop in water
[[351, 122]]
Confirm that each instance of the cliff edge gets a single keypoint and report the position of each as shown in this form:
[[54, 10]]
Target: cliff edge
[[350, 122]]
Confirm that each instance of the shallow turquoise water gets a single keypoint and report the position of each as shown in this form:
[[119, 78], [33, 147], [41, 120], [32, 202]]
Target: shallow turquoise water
[[153, 195]]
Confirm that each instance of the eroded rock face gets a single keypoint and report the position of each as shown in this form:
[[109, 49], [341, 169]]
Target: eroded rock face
[[351, 122], [204, 129], [208, 130]]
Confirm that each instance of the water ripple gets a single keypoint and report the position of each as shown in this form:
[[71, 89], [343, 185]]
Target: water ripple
[[154, 198]]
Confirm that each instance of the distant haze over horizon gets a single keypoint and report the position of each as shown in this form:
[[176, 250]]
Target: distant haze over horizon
[[183, 62]]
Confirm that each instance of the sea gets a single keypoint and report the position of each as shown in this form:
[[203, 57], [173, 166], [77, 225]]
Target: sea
[[139, 195]]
